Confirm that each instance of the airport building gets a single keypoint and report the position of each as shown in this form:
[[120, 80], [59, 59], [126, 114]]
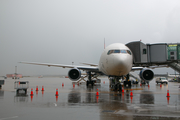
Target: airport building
[[14, 75]]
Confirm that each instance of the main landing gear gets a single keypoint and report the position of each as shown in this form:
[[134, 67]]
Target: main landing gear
[[91, 77], [89, 81]]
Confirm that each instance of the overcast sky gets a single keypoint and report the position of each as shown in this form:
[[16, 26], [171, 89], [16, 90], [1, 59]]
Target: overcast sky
[[66, 31]]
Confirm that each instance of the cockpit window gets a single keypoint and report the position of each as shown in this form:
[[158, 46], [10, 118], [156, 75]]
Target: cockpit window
[[123, 51], [116, 51], [119, 51], [129, 52]]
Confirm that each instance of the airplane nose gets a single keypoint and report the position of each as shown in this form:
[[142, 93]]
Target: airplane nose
[[122, 63]]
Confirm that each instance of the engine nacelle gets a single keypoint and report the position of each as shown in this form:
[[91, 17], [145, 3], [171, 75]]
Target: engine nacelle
[[74, 74], [146, 74]]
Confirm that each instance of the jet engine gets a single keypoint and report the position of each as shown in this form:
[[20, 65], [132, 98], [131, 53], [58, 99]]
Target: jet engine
[[74, 74], [146, 74]]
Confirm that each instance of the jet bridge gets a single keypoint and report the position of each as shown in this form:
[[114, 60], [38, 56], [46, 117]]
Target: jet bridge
[[146, 55]]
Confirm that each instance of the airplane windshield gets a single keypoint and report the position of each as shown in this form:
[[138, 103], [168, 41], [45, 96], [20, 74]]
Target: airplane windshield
[[119, 51]]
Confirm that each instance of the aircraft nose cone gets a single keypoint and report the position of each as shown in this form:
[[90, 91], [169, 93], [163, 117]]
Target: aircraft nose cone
[[123, 63]]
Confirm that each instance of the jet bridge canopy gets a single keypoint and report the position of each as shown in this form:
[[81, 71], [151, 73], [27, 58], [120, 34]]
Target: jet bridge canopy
[[139, 51], [154, 54], [173, 52]]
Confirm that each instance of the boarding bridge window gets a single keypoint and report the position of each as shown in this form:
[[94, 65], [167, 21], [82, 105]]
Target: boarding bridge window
[[144, 51], [119, 51]]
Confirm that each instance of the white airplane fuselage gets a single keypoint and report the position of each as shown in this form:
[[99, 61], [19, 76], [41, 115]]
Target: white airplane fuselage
[[116, 60]]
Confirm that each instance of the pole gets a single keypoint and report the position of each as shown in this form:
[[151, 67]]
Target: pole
[[104, 44]]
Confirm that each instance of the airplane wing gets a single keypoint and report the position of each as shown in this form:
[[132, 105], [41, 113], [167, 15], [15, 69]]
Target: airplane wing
[[86, 68], [91, 64], [159, 66], [150, 67], [136, 68]]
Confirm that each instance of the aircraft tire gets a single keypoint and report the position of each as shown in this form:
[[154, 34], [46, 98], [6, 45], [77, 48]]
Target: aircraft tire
[[115, 88], [87, 83], [17, 92], [124, 84], [25, 91], [92, 83], [129, 83]]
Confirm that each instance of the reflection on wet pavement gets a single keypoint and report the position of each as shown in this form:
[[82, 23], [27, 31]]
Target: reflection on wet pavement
[[79, 102]]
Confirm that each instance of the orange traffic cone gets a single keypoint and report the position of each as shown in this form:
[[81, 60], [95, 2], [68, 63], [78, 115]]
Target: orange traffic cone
[[122, 90], [131, 94], [31, 92], [42, 88], [168, 93], [97, 93], [56, 93], [36, 88]]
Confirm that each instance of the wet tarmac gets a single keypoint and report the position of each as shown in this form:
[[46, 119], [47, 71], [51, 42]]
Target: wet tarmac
[[82, 103]]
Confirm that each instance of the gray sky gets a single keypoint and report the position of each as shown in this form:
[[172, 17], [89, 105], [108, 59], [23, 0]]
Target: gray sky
[[66, 31]]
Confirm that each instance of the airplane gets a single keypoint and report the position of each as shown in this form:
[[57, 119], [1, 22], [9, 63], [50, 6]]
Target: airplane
[[116, 62]]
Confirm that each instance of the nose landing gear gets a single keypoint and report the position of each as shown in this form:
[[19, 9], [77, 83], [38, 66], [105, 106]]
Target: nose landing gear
[[115, 83]]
